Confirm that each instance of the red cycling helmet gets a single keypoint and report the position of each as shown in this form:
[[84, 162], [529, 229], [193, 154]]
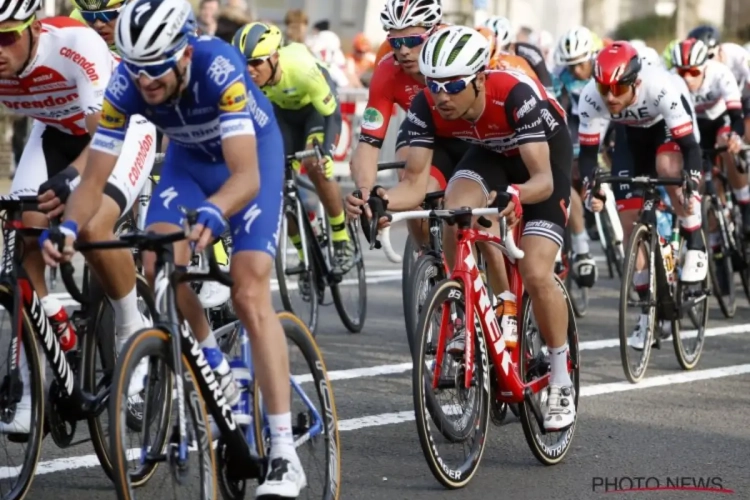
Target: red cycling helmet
[[617, 64], [690, 53]]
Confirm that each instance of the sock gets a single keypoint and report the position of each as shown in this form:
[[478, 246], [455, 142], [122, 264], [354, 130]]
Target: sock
[[580, 243], [282, 439], [558, 361], [338, 227], [297, 242], [128, 318], [209, 342]]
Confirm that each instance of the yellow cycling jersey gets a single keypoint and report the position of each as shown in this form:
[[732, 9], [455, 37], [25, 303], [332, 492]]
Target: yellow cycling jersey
[[77, 16], [302, 82]]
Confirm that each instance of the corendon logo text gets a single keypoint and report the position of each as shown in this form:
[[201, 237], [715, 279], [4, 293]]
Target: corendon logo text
[[88, 67], [140, 160], [49, 102]]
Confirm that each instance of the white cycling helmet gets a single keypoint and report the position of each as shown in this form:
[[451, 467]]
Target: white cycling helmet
[[325, 46], [638, 44], [400, 14], [454, 51], [648, 56], [18, 10], [501, 27], [153, 30], [690, 53], [575, 46]]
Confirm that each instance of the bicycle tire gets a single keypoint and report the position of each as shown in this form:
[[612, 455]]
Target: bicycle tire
[[742, 256], [101, 343], [421, 272], [727, 303], [297, 332], [408, 264], [353, 324], [640, 233], [548, 455], [311, 320], [34, 438], [150, 342], [614, 257], [423, 407]]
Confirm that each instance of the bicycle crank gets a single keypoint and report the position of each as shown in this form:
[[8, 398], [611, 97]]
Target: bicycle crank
[[61, 429]]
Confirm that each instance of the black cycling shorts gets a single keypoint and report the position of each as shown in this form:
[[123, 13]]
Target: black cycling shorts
[[299, 127], [446, 154], [746, 102], [495, 172]]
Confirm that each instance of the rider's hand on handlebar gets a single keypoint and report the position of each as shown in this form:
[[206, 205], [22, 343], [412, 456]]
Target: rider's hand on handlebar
[[354, 205], [49, 239], [734, 143], [54, 192], [209, 225], [513, 211]]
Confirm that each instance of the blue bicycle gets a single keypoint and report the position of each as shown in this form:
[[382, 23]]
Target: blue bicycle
[[230, 443]]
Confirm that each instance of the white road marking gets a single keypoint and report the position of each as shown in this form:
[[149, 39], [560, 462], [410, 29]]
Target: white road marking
[[353, 424]]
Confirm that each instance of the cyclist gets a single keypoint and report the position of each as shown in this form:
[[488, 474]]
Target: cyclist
[[660, 135], [716, 97], [224, 145], [519, 144], [53, 71], [666, 56], [306, 109], [575, 53], [504, 60]]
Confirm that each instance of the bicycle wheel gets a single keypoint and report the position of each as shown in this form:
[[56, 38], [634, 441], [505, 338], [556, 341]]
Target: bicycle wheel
[[534, 365], [428, 271], [613, 252], [640, 241], [688, 345], [306, 306], [411, 254], [352, 317], [15, 484], [98, 343], [579, 296], [741, 255], [454, 424], [312, 373], [720, 266], [156, 345]]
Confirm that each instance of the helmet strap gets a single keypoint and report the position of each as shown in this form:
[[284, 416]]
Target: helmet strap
[[28, 57], [272, 77], [181, 78]]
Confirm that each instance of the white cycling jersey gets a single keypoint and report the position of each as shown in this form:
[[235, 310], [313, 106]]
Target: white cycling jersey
[[738, 61], [62, 84], [659, 96], [718, 92]]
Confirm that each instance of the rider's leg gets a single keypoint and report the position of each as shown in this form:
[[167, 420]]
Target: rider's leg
[[737, 180]]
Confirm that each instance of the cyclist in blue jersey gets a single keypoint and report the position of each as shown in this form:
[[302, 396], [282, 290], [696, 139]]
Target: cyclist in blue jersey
[[225, 159]]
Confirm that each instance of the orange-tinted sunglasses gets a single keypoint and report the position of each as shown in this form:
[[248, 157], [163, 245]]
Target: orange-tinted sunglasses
[[616, 89], [694, 72]]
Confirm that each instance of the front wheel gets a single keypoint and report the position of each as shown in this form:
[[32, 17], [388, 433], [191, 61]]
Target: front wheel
[[427, 272], [353, 315], [720, 268]]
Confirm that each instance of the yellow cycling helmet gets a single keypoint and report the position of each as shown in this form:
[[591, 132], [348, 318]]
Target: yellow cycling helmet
[[96, 5], [256, 40], [667, 54]]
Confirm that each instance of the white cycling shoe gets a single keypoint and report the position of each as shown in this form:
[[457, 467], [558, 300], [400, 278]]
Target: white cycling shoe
[[21, 423], [694, 267], [214, 294], [284, 479], [560, 412]]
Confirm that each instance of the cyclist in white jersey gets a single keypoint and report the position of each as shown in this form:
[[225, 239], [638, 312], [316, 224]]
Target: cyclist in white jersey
[[56, 71], [716, 96], [660, 130]]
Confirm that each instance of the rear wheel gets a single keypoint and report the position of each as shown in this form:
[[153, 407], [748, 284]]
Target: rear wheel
[[427, 272], [352, 315], [720, 266]]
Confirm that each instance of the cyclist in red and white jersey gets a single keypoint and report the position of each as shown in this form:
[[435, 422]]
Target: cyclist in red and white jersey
[[520, 145], [717, 104], [56, 71], [660, 130]]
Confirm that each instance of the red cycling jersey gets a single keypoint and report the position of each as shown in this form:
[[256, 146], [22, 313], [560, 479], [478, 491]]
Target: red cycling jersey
[[518, 111]]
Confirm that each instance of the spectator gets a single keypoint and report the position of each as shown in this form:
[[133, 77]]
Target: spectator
[[524, 34], [208, 12], [317, 28], [362, 59], [230, 20], [239, 4], [296, 23]]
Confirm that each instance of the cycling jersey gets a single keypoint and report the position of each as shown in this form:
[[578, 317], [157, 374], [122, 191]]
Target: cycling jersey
[[535, 58], [570, 85], [62, 84], [737, 59], [660, 97], [504, 60], [219, 101]]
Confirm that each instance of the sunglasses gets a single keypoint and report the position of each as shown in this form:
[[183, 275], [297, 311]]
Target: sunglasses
[[616, 89], [257, 61], [451, 87], [105, 16], [153, 70], [694, 72], [10, 36], [410, 41]]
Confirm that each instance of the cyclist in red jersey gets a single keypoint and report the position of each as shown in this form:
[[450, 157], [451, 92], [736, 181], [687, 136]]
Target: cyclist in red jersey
[[396, 80], [519, 144]]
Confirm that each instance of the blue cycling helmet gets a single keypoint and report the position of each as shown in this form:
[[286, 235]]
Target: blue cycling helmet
[[153, 30]]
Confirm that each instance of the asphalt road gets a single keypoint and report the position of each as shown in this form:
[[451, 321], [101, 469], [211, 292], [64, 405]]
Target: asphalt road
[[690, 427]]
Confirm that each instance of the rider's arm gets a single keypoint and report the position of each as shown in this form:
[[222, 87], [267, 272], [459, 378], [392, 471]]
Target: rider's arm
[[732, 96], [420, 129], [375, 120], [321, 96], [676, 109], [591, 112]]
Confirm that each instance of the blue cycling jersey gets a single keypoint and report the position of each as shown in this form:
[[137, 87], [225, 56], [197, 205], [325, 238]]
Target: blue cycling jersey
[[220, 101], [565, 81]]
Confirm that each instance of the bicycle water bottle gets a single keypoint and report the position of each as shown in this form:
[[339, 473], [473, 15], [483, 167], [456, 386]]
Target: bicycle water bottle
[[664, 224], [243, 410]]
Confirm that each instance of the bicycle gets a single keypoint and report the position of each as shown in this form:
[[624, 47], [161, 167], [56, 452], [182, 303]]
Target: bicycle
[[79, 391], [610, 231], [667, 299], [170, 346], [315, 270], [731, 253], [505, 376]]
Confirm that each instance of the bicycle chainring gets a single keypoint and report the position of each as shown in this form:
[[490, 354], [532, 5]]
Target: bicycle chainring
[[231, 483], [61, 429]]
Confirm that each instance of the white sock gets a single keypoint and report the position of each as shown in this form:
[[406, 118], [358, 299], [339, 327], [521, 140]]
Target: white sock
[[580, 243], [558, 362], [282, 438], [128, 318], [209, 342]]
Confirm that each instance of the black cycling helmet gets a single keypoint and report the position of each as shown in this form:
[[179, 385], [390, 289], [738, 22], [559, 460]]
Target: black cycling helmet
[[706, 34]]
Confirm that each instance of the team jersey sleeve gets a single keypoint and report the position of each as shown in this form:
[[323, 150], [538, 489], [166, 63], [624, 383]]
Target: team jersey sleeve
[[419, 125], [121, 100], [536, 60], [227, 74], [92, 64], [380, 101], [593, 122], [676, 109], [310, 78], [523, 111], [730, 91]]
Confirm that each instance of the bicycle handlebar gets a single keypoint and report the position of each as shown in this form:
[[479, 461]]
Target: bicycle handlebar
[[505, 235], [390, 165], [315, 152]]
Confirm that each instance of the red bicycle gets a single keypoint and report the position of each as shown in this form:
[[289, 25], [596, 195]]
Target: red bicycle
[[479, 382]]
